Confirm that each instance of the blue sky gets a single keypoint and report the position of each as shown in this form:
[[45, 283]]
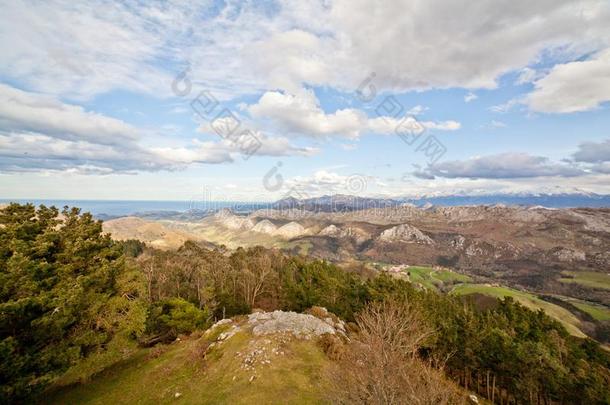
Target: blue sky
[[509, 97]]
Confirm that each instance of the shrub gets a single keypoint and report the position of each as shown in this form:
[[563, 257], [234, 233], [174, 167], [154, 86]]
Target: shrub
[[173, 316]]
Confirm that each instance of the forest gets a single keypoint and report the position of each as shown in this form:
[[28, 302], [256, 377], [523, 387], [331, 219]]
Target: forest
[[71, 298]]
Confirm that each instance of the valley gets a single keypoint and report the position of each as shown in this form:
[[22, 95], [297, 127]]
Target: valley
[[529, 253]]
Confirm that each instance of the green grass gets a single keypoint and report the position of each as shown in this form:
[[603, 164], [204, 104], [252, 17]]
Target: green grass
[[569, 320], [588, 279], [295, 377], [598, 312], [450, 276], [431, 279], [421, 275]]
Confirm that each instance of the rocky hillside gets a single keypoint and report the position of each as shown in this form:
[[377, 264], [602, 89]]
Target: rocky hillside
[[531, 247], [154, 233], [266, 357], [404, 233]]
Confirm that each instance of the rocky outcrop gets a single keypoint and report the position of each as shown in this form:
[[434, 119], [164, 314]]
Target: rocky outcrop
[[238, 223], [346, 232], [303, 326], [568, 255], [229, 220], [290, 230], [405, 233], [458, 242], [265, 226], [479, 248]]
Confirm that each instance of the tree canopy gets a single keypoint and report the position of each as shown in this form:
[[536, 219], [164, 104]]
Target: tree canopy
[[65, 293]]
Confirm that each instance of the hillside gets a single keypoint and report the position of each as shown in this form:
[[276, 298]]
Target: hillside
[[560, 251], [264, 358], [151, 232], [80, 308]]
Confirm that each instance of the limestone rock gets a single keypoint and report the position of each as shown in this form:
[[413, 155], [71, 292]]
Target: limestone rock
[[300, 325], [265, 226], [290, 230], [405, 233]]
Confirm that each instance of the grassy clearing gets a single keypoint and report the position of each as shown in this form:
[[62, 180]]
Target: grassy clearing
[[450, 276], [146, 377], [421, 275], [587, 278], [569, 320], [598, 312], [431, 279]]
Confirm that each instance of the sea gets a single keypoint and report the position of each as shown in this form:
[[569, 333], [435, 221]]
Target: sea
[[118, 208]]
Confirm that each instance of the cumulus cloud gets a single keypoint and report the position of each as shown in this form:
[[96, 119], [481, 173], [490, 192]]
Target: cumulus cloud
[[24, 111], [34, 151], [329, 182], [301, 114], [435, 44], [39, 132], [500, 166], [574, 86]]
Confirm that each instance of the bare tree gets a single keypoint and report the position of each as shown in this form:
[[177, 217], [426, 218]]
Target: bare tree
[[381, 366]]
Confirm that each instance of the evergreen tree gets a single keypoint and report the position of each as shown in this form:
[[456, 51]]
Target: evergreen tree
[[65, 293]]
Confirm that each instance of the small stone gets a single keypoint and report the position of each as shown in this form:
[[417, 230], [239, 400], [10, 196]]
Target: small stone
[[252, 378], [177, 395]]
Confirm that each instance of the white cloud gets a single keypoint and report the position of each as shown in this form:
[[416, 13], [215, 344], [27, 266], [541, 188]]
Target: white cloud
[[596, 183], [470, 97], [39, 132], [506, 107], [527, 75], [302, 114], [23, 111], [497, 124], [81, 49], [349, 146], [417, 110], [90, 48], [426, 44], [574, 86], [325, 182], [388, 125]]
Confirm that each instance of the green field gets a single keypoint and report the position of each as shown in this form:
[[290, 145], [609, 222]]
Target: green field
[[587, 278], [431, 279], [569, 320], [598, 312]]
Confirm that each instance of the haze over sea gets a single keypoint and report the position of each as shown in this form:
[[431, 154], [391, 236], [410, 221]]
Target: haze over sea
[[105, 209], [127, 207]]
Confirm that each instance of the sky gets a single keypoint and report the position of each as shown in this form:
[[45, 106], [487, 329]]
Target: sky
[[261, 100]]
